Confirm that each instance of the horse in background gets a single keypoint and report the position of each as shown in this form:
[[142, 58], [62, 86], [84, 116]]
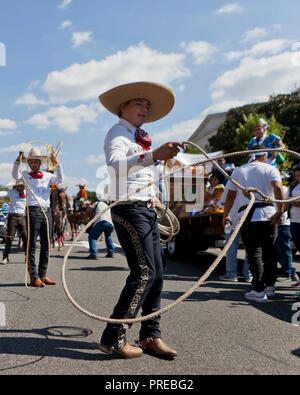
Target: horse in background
[[79, 217], [58, 205]]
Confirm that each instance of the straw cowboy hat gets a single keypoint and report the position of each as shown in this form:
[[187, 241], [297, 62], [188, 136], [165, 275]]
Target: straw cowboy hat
[[35, 153], [15, 183], [161, 97], [81, 185]]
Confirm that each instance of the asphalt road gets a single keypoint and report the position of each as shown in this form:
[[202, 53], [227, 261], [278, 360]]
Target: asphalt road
[[215, 331]]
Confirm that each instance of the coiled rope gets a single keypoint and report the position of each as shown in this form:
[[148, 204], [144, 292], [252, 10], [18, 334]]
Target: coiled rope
[[249, 193]]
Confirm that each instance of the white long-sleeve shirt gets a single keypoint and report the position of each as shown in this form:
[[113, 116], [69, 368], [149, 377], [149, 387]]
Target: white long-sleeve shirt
[[39, 186], [129, 165], [16, 203]]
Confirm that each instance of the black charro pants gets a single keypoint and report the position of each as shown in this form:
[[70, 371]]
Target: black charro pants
[[138, 234], [260, 243], [38, 227]]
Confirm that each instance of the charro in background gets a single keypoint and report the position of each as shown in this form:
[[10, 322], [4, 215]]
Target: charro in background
[[38, 211]]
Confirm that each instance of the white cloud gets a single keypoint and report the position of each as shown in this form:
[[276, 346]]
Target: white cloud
[[201, 51], [64, 4], [137, 63], [4, 133], [65, 24], [30, 99], [5, 172], [178, 132], [255, 34], [270, 47], [254, 80], [229, 9], [79, 38], [65, 118], [15, 148], [95, 158], [7, 124]]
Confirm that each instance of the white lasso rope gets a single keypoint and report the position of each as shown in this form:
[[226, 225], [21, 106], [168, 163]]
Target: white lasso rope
[[250, 195]]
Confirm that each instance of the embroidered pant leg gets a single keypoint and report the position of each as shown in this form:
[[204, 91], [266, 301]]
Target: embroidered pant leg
[[136, 228]]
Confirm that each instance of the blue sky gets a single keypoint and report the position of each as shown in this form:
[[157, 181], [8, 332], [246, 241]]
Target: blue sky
[[61, 54]]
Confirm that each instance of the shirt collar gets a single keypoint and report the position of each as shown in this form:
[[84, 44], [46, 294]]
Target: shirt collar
[[127, 125]]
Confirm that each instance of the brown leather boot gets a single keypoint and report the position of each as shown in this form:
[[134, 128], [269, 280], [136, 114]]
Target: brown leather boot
[[47, 281], [37, 283], [157, 347], [127, 352]]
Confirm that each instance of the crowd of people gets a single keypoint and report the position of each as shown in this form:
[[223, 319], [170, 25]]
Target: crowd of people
[[279, 229]]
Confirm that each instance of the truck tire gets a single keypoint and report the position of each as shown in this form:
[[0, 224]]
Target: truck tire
[[179, 246]]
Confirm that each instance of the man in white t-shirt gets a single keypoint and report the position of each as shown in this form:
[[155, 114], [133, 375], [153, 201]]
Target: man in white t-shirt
[[104, 225], [259, 231]]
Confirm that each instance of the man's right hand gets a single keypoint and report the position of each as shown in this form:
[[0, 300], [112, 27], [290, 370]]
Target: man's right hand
[[19, 157], [166, 151]]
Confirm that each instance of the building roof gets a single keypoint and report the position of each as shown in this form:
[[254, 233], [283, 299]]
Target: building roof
[[209, 126]]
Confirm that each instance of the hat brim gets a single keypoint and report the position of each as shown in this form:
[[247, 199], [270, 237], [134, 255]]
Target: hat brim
[[161, 97], [42, 158], [15, 183]]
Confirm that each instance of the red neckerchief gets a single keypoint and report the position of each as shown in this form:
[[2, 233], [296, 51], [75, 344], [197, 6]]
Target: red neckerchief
[[143, 139], [36, 174], [22, 195]]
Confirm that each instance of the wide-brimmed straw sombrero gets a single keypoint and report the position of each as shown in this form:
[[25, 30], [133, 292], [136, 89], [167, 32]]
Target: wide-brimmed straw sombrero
[[161, 97]]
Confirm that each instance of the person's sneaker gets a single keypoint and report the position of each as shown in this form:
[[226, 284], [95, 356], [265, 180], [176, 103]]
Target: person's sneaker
[[270, 291], [248, 279], [260, 297], [295, 277], [227, 278], [93, 257], [109, 256], [4, 261], [283, 277]]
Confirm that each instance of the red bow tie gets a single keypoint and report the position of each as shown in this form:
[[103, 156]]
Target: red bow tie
[[22, 195], [143, 139], [36, 174]]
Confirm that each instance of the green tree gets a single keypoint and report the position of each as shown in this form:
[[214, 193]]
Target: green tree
[[282, 112], [3, 199]]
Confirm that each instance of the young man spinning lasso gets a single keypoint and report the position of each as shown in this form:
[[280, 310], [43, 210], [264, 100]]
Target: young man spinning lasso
[[129, 159]]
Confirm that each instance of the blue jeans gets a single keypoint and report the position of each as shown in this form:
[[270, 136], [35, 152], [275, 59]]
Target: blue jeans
[[284, 251], [95, 233], [295, 230], [232, 261]]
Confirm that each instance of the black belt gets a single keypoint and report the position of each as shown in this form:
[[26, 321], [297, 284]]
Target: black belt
[[251, 212], [15, 215], [139, 203], [33, 208]]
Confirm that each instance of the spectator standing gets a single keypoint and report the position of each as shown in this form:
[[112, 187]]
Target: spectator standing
[[284, 251], [102, 225], [16, 217], [259, 231], [231, 256]]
